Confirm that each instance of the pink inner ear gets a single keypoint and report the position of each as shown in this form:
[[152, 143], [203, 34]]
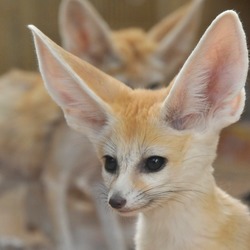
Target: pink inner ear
[[220, 81], [76, 18], [208, 86], [214, 91], [235, 104], [67, 97], [206, 90], [93, 119]]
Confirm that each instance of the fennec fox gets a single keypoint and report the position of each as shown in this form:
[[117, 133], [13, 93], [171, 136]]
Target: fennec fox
[[157, 147], [42, 146], [40, 137]]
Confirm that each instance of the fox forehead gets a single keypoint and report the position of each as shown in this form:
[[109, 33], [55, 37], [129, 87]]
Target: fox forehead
[[137, 110], [138, 104], [138, 130], [134, 44]]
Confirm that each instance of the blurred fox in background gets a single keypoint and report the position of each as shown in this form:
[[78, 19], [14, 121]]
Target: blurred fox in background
[[37, 146]]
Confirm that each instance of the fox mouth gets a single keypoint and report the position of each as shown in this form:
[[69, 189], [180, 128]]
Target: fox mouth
[[128, 211], [133, 211]]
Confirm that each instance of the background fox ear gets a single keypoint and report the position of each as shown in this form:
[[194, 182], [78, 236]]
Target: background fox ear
[[209, 90], [85, 34], [176, 35], [82, 91]]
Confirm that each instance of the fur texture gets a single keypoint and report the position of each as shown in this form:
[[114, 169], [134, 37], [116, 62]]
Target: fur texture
[[41, 148], [179, 204]]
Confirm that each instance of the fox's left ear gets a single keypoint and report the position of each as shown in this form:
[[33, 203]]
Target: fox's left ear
[[208, 93], [176, 35], [82, 91]]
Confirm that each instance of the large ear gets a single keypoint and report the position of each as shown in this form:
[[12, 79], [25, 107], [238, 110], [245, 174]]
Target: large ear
[[208, 93], [176, 35], [85, 34], [82, 91]]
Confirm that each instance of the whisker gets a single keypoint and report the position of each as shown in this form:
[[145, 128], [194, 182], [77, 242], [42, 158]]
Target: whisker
[[196, 156], [158, 195], [176, 188]]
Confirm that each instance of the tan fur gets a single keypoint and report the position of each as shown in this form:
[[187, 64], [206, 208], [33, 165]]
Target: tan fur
[[134, 44], [32, 141], [178, 201], [135, 47], [38, 117]]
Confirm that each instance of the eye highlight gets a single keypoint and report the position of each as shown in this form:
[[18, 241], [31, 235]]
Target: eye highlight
[[110, 164], [154, 164]]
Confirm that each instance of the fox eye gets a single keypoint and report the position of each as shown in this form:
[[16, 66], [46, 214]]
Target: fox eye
[[110, 164], [154, 164], [154, 85]]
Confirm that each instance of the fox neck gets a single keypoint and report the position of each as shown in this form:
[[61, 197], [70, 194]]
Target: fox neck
[[181, 224]]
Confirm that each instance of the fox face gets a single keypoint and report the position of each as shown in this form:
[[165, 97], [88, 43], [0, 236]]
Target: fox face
[[135, 57], [155, 146], [146, 162]]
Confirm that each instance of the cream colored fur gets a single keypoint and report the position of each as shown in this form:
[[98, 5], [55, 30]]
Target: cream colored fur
[[54, 158], [179, 205]]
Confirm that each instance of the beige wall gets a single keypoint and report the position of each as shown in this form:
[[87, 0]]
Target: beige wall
[[16, 48]]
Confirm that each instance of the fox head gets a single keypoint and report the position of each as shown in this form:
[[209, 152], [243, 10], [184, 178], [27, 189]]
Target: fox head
[[137, 58], [154, 145]]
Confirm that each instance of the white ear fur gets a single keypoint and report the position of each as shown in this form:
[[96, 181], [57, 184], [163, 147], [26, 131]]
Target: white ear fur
[[77, 87], [208, 93], [176, 35], [85, 34]]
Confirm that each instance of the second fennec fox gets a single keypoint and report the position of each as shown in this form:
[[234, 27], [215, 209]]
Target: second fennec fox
[[157, 147]]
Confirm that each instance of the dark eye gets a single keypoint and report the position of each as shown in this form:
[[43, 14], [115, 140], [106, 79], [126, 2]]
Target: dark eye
[[110, 164], [154, 85], [154, 164]]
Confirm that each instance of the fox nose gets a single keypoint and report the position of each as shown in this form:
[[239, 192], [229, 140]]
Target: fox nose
[[116, 201]]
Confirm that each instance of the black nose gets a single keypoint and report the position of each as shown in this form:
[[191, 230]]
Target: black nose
[[116, 201]]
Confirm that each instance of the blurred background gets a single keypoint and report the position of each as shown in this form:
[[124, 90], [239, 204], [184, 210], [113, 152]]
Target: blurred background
[[17, 51]]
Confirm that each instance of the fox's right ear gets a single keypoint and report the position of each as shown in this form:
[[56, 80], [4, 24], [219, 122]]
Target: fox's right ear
[[82, 91], [208, 93], [85, 34]]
